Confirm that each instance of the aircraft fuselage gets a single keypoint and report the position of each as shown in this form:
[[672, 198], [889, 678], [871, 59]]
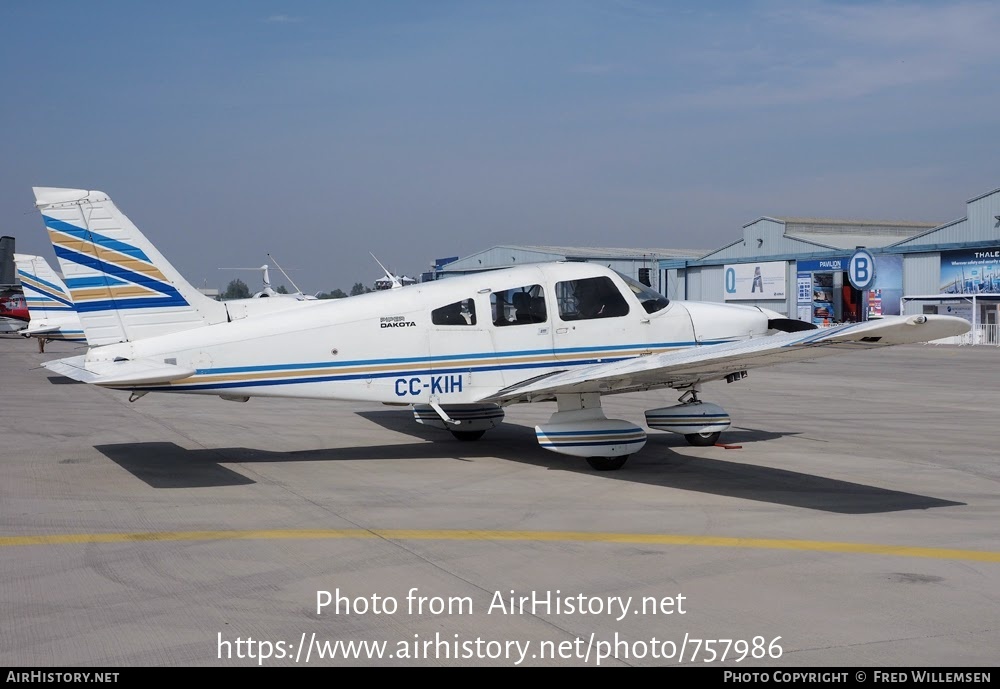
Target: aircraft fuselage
[[452, 341]]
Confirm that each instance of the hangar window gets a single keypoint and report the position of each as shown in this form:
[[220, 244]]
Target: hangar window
[[459, 313], [518, 306], [590, 298]]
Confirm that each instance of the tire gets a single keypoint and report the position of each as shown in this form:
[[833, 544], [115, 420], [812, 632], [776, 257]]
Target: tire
[[468, 436], [607, 463], [703, 439]]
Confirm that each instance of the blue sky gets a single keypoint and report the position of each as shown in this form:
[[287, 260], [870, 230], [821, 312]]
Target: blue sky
[[322, 131]]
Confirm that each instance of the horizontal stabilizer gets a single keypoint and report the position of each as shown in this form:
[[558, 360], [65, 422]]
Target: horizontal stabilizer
[[40, 329], [118, 373]]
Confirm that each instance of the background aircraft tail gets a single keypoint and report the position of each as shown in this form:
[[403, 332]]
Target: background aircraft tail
[[48, 301], [122, 288], [7, 269]]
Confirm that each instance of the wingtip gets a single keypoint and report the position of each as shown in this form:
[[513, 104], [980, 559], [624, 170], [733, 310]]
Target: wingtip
[[954, 321]]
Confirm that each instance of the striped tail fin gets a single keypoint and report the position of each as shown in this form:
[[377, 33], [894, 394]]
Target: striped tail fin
[[122, 287], [52, 313]]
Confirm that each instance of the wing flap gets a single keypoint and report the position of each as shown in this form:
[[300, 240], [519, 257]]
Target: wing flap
[[118, 373], [715, 362]]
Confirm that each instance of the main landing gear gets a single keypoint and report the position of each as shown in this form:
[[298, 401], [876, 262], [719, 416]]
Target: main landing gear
[[703, 439], [607, 463], [579, 428], [467, 422]]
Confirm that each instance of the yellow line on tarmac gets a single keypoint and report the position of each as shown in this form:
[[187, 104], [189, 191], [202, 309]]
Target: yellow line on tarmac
[[481, 535]]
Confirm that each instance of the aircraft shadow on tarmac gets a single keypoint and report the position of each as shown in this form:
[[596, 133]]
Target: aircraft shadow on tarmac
[[62, 380], [167, 465]]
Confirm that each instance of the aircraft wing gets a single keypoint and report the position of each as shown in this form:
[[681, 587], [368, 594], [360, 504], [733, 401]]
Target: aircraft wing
[[716, 362], [117, 373]]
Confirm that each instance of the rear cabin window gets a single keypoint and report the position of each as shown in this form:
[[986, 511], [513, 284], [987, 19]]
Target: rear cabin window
[[590, 298], [458, 313]]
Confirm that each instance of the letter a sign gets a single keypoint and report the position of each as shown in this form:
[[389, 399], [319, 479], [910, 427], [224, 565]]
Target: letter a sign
[[861, 270]]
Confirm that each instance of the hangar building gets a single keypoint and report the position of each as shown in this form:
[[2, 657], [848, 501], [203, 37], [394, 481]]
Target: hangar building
[[797, 266]]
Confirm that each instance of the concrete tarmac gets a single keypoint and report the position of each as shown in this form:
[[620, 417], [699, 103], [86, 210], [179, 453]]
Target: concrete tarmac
[[851, 520]]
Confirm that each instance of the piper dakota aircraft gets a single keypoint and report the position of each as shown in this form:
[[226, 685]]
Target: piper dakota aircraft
[[458, 351]]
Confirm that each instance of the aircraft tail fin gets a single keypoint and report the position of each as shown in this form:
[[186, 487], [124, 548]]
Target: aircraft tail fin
[[7, 269], [49, 305], [122, 288]]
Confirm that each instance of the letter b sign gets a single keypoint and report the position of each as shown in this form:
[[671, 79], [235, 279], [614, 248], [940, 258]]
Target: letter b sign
[[861, 270]]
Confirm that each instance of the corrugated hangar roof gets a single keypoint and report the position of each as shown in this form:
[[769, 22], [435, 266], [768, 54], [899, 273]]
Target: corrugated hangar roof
[[846, 241], [836, 233], [611, 252], [857, 223]]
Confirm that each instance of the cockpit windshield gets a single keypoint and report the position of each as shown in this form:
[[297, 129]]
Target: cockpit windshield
[[651, 300]]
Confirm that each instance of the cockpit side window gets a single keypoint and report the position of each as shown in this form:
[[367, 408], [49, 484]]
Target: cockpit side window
[[590, 298]]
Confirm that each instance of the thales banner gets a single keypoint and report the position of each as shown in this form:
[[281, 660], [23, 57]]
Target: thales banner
[[971, 271], [755, 281]]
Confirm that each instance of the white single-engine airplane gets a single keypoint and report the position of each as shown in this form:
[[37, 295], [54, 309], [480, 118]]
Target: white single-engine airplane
[[458, 350], [53, 316]]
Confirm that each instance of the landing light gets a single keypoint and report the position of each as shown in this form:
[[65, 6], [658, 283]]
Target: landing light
[[733, 377]]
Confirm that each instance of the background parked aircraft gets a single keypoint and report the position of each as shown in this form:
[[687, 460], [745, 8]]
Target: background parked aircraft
[[267, 290], [13, 311], [52, 314], [14, 314]]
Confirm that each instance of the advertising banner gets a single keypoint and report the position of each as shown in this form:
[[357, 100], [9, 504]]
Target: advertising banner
[[755, 281], [804, 284], [960, 309], [824, 265], [970, 271], [888, 288]]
